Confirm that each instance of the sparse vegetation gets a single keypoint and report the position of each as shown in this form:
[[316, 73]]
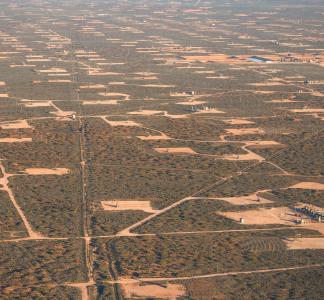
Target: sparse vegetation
[[174, 105]]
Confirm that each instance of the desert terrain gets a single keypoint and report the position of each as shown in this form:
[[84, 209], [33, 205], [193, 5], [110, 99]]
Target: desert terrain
[[161, 149]]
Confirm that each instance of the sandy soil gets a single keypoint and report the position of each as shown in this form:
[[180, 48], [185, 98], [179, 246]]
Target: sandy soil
[[295, 77], [247, 200], [264, 92], [209, 111], [243, 131], [53, 70], [118, 205], [122, 123], [45, 171], [248, 156], [305, 243], [116, 83], [176, 116], [219, 77], [22, 66], [100, 102], [238, 122], [270, 83], [146, 112], [178, 94], [158, 85], [191, 102], [15, 140], [308, 110], [275, 215], [4, 96], [152, 291], [262, 143], [318, 94], [185, 150], [308, 186], [146, 78], [21, 124], [59, 81], [282, 101], [315, 226], [204, 72], [37, 104], [38, 60], [153, 137], [97, 73], [145, 73], [93, 86]]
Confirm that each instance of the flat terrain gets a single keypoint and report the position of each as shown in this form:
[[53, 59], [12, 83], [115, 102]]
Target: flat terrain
[[161, 149]]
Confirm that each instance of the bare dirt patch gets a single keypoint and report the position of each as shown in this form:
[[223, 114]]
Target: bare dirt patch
[[243, 131], [209, 111], [45, 171], [238, 122], [308, 186], [153, 137], [318, 94], [183, 116], [305, 243], [262, 216], [122, 123], [308, 110], [20, 124], [93, 86], [119, 205], [116, 83], [184, 150], [219, 77], [191, 103], [146, 78], [248, 156], [282, 101], [100, 102], [15, 140], [37, 104], [98, 73], [60, 81], [158, 85], [262, 143], [52, 70], [146, 73], [264, 92], [148, 291]]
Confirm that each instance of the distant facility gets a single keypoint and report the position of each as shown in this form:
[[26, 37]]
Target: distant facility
[[259, 59]]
